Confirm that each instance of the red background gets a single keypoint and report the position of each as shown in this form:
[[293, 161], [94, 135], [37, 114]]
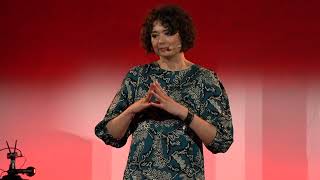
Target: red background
[[61, 63]]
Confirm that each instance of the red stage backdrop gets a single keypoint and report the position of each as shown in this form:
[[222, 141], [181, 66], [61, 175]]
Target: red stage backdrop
[[61, 63]]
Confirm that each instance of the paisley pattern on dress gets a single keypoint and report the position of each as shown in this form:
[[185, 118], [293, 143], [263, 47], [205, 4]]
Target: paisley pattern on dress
[[161, 147]]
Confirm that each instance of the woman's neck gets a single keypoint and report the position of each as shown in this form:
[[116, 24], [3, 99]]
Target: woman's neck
[[175, 63]]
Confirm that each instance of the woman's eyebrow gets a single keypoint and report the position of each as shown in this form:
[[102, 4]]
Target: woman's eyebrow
[[154, 31]]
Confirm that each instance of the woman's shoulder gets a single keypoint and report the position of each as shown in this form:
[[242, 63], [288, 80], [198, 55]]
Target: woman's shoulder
[[143, 68], [208, 75], [138, 68], [137, 71], [205, 71]]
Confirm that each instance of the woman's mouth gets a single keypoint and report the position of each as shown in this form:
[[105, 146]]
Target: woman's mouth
[[164, 49]]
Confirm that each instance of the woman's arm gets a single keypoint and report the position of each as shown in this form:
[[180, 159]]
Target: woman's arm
[[115, 127], [118, 126], [216, 132], [204, 130]]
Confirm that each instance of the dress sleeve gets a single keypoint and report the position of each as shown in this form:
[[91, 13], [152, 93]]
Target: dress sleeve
[[215, 109], [123, 99]]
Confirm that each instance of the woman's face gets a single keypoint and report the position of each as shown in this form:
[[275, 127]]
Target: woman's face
[[163, 43]]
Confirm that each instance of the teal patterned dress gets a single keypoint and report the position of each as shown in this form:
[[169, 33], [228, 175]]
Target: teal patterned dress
[[162, 147]]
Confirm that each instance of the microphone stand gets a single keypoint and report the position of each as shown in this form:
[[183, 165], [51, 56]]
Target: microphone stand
[[12, 156]]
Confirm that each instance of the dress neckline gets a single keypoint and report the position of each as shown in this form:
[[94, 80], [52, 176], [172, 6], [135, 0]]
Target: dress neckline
[[176, 71]]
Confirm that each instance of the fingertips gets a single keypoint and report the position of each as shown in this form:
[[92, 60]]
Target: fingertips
[[148, 96], [157, 84], [153, 86], [154, 104], [154, 93]]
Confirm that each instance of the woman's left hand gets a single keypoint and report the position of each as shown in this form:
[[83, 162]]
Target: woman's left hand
[[166, 103]]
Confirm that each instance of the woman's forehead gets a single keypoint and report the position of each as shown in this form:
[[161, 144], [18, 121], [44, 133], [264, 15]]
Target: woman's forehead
[[157, 26]]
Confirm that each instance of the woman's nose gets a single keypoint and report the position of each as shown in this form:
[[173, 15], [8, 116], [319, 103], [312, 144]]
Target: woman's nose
[[161, 39]]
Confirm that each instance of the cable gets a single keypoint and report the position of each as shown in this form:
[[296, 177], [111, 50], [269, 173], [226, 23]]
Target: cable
[[3, 171], [12, 148], [25, 160]]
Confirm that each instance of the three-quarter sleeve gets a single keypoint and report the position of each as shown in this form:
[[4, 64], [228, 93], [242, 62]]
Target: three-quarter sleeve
[[123, 99], [215, 109]]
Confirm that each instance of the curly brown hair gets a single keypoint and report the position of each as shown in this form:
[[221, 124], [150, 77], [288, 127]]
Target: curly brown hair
[[175, 19]]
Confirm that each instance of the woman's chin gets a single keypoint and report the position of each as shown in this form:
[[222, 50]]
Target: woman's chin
[[166, 54]]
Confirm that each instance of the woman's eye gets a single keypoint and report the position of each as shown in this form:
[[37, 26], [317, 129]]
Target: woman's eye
[[167, 33], [154, 35]]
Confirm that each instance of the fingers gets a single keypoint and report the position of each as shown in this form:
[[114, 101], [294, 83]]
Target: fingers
[[151, 92], [148, 96], [157, 96], [157, 105], [158, 90]]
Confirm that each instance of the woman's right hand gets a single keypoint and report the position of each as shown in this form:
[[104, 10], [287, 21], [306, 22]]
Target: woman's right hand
[[118, 126], [141, 104]]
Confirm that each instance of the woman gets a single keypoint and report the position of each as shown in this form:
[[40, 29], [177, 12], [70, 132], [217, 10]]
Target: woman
[[170, 106]]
